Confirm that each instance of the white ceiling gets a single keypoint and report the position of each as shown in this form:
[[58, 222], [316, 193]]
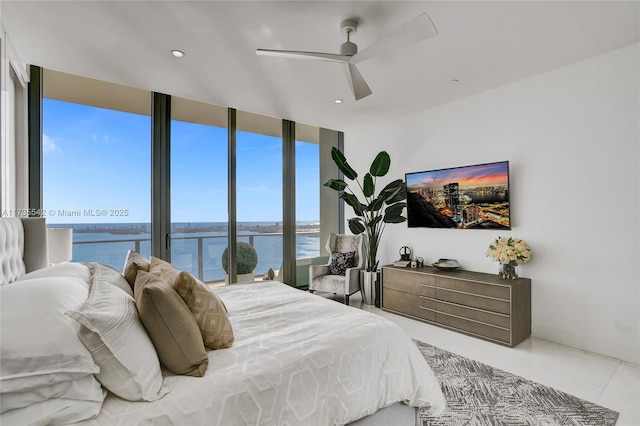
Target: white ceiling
[[481, 44]]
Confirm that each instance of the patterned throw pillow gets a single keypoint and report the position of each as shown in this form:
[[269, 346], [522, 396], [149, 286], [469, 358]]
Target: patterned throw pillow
[[341, 261]]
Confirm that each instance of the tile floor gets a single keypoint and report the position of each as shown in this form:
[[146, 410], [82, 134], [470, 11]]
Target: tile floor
[[605, 381]]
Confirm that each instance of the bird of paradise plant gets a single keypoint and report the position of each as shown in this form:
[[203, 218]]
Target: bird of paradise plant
[[374, 210]]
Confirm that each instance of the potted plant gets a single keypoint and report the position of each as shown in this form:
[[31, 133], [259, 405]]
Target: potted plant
[[373, 210], [247, 259]]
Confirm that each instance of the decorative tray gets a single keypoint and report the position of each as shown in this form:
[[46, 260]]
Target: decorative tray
[[446, 264]]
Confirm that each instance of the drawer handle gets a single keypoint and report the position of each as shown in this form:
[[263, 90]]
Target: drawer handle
[[426, 285]]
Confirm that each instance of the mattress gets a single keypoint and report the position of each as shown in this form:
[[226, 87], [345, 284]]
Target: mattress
[[297, 359]]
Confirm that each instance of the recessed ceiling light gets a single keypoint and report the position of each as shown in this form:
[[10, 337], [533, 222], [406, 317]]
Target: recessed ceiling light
[[337, 101], [177, 53]]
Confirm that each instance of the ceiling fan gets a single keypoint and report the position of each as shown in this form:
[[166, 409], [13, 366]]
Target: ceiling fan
[[417, 29]]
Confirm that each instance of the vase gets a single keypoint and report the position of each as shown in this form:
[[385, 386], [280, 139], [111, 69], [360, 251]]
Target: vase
[[508, 271], [368, 286]]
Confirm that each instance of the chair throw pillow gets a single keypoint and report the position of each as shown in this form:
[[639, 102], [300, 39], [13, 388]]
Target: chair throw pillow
[[341, 261]]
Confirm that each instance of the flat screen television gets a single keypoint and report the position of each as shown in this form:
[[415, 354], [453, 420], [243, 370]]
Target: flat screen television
[[469, 197]]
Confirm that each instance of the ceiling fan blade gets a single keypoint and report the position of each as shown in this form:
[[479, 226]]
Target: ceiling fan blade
[[415, 30], [294, 54], [358, 86]]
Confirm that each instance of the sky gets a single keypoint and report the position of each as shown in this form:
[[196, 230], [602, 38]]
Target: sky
[[97, 162], [468, 177]]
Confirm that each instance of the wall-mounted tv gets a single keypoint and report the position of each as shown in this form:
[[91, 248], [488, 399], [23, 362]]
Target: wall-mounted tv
[[469, 197]]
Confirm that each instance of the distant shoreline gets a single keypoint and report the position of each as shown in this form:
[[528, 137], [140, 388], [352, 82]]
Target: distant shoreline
[[183, 228]]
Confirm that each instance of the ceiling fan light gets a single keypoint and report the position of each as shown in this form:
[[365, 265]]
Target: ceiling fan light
[[177, 53], [348, 49]]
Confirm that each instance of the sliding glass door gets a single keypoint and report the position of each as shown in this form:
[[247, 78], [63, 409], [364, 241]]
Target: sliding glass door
[[199, 213], [307, 175]]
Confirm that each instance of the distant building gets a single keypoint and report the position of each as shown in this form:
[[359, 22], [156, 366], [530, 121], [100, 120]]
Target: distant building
[[452, 198], [471, 214]]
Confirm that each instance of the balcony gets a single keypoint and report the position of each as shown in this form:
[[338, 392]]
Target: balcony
[[199, 255]]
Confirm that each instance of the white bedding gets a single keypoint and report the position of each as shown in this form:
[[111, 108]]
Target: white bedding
[[297, 359]]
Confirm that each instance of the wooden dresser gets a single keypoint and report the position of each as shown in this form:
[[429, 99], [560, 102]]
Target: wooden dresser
[[474, 303]]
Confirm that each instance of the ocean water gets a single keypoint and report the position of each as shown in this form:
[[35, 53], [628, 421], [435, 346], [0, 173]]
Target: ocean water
[[108, 244]]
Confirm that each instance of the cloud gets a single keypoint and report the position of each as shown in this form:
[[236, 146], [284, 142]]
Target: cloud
[[49, 146]]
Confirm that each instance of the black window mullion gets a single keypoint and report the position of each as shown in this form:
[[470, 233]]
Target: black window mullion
[[35, 138], [161, 176], [288, 273]]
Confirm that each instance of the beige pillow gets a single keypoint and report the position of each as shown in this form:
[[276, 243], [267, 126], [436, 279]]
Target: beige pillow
[[172, 328], [207, 308], [133, 263]]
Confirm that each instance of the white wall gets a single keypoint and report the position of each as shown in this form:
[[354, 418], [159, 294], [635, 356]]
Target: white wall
[[572, 139]]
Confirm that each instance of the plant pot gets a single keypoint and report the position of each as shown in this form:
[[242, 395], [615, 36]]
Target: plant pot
[[242, 278], [368, 286]]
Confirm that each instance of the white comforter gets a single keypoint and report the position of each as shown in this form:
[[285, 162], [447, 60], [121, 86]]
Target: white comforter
[[297, 359]]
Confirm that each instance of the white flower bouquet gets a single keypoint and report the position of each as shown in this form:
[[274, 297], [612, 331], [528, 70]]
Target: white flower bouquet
[[509, 251]]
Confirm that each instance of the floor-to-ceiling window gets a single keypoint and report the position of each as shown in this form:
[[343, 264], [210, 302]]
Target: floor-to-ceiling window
[[258, 194], [96, 166], [307, 177], [199, 210], [97, 174]]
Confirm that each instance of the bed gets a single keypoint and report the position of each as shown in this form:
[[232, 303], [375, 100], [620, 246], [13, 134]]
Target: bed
[[293, 360]]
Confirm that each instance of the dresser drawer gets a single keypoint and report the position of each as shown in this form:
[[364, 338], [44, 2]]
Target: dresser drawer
[[492, 318], [489, 290], [474, 327], [409, 282], [408, 303], [481, 302]]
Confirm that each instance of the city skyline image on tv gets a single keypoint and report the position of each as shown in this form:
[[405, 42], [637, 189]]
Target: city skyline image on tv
[[469, 197]]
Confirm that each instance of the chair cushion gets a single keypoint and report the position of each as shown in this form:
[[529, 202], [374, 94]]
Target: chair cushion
[[330, 283], [341, 261]]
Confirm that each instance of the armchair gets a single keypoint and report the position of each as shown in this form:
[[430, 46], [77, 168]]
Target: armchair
[[320, 277]]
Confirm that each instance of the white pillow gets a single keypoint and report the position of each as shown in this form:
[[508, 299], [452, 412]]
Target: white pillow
[[86, 387], [110, 275], [112, 331], [68, 269], [40, 346]]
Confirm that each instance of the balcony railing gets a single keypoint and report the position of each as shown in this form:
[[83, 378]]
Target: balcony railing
[[206, 251]]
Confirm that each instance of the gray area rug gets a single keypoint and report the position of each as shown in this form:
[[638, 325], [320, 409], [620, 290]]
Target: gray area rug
[[478, 394]]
